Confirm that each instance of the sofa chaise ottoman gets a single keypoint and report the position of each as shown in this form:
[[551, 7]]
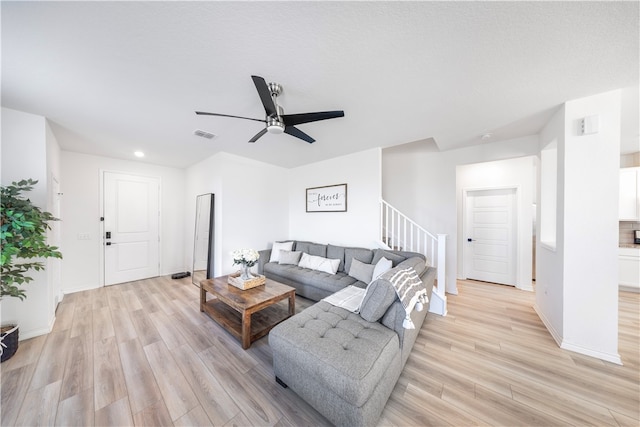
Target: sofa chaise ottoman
[[346, 364]]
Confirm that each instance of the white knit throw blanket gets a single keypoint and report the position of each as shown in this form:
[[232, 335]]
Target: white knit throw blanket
[[411, 292], [348, 298]]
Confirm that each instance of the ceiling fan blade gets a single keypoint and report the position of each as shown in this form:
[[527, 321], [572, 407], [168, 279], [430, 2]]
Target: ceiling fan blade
[[202, 113], [298, 119], [294, 131], [265, 95], [258, 135]]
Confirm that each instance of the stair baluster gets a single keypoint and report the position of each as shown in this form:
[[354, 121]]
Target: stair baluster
[[399, 232]]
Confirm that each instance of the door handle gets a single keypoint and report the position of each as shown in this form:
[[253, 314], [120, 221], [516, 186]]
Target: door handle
[[110, 243], [469, 240]]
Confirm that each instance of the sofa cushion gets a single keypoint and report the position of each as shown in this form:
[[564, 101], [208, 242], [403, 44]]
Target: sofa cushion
[[380, 253], [338, 349], [319, 263], [303, 276], [290, 257], [378, 298], [277, 247], [312, 248], [336, 252], [361, 271], [382, 266], [361, 254]]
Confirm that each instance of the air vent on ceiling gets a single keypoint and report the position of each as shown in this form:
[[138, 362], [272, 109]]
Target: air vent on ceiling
[[203, 134]]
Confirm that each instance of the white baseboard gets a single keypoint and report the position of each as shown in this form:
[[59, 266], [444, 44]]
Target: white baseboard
[[613, 358], [547, 324], [627, 288], [25, 335], [80, 289], [563, 344]]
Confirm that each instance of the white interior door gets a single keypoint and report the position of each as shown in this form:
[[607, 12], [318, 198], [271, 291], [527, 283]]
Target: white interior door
[[490, 236], [131, 227]]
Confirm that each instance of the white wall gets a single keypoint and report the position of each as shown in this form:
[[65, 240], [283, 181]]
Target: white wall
[[27, 152], [577, 290], [251, 205], [591, 181], [422, 184], [359, 226], [24, 152], [81, 215], [515, 173], [550, 256]]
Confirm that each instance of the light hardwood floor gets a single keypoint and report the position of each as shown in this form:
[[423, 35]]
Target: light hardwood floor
[[141, 353]]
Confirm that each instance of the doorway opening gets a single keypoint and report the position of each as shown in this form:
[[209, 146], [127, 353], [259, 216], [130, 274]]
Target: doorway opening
[[490, 233]]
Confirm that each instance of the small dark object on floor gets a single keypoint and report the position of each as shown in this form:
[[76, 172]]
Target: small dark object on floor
[[282, 383], [9, 341], [180, 275]]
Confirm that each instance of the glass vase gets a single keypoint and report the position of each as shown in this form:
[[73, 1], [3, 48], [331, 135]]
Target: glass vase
[[246, 274]]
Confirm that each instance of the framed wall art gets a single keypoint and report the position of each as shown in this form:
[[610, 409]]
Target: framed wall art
[[332, 198]]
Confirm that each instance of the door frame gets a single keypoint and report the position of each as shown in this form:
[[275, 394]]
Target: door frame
[[101, 240], [54, 265], [516, 225]]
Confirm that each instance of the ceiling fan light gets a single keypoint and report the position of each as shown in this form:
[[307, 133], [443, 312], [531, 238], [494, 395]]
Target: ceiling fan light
[[275, 126]]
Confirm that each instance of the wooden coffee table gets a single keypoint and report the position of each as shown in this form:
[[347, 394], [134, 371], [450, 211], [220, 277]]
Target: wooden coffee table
[[233, 308]]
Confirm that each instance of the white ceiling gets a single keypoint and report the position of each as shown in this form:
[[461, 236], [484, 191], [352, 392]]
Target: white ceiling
[[114, 77]]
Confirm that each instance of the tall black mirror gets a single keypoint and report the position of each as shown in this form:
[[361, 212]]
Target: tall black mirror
[[203, 241]]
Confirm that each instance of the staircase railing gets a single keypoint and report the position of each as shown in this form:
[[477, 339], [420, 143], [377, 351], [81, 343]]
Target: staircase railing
[[399, 232]]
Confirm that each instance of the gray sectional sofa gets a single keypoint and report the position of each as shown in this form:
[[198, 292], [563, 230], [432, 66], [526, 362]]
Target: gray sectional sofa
[[345, 364], [316, 285]]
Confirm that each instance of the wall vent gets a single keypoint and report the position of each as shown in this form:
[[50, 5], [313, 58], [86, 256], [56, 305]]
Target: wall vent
[[203, 134]]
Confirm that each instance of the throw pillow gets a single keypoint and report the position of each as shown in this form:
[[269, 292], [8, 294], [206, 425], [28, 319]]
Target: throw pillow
[[395, 258], [379, 296], [277, 247], [381, 267], [313, 262], [361, 254], [290, 257], [361, 271]]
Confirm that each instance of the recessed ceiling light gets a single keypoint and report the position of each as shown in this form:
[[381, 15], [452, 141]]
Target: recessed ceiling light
[[138, 154], [486, 136]]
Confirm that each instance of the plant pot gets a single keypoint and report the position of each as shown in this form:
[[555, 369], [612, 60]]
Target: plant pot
[[8, 341]]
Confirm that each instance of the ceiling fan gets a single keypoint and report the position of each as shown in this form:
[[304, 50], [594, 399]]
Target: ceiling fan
[[276, 121]]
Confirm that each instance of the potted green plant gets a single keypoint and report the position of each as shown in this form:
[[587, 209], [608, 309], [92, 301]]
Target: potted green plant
[[23, 236]]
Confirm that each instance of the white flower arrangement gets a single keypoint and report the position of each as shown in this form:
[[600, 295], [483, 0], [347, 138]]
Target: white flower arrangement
[[248, 257]]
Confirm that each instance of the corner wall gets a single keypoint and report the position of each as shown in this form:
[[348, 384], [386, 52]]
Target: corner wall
[[550, 258], [577, 291], [251, 205], [28, 152], [591, 182]]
